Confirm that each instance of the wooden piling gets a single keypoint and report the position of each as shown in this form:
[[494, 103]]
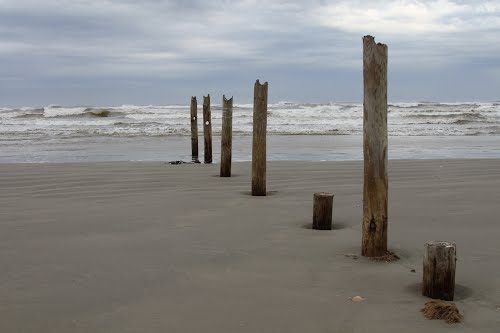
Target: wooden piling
[[207, 129], [322, 211], [259, 139], [375, 189], [226, 141], [194, 129], [439, 270]]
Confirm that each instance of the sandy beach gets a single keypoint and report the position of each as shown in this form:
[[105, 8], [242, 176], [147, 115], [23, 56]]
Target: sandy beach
[[153, 247]]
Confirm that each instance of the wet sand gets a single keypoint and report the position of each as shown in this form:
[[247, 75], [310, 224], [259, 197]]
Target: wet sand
[[280, 147], [152, 247]]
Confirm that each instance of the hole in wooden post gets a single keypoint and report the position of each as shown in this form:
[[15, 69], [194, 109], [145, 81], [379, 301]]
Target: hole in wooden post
[[207, 123]]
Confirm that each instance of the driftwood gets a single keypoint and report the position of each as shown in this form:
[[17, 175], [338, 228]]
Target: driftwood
[[182, 162]]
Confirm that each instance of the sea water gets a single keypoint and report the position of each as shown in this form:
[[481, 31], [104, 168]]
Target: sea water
[[297, 131]]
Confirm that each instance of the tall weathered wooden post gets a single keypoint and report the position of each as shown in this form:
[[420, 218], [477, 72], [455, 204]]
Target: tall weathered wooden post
[[375, 189], [207, 129], [194, 129], [226, 142], [259, 139]]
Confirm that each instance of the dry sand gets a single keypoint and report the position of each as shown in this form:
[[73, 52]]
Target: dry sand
[[151, 247]]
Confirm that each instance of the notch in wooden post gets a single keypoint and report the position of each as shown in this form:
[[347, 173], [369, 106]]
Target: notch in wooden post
[[322, 211], [194, 129], [375, 188], [439, 270], [207, 129], [226, 137], [259, 139]]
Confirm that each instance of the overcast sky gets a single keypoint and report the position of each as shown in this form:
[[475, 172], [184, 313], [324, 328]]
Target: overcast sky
[[114, 52]]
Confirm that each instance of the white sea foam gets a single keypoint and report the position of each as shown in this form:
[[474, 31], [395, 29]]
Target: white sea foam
[[419, 118], [55, 111]]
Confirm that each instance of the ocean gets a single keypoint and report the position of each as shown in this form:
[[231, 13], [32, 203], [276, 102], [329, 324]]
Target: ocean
[[297, 131]]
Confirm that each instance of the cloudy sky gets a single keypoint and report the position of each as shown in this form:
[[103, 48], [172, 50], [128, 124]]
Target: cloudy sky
[[114, 52]]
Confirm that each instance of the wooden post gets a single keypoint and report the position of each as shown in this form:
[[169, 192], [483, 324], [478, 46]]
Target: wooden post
[[259, 139], [207, 129], [226, 141], [439, 270], [375, 189], [194, 129], [322, 211]]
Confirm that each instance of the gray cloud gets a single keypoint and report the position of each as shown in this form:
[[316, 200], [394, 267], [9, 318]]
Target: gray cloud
[[186, 45]]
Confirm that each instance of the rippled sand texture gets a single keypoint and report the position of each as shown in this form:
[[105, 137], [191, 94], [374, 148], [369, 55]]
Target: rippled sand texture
[[150, 247]]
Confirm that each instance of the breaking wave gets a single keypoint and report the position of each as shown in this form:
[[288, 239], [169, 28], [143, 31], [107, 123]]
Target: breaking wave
[[284, 118]]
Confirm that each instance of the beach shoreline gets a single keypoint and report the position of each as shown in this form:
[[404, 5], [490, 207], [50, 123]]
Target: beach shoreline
[[280, 147], [148, 246]]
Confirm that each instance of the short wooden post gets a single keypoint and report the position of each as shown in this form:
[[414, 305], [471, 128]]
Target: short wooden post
[[375, 191], [194, 129], [259, 139], [226, 141], [322, 211], [439, 270], [207, 129]]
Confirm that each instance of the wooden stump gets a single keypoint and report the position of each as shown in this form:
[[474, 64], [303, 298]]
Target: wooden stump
[[375, 188], [439, 270], [322, 211], [226, 141], [194, 129], [207, 129], [259, 139]]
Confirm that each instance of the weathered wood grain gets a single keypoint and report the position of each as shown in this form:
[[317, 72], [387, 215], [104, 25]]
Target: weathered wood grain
[[207, 129], [194, 129], [226, 137], [322, 211], [439, 270], [375, 189], [259, 139]]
